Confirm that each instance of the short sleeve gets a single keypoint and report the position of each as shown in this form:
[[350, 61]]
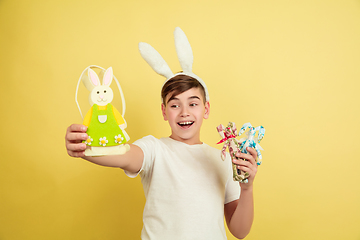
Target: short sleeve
[[232, 188], [147, 145]]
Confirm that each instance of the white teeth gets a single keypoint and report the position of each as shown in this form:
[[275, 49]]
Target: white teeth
[[185, 123]]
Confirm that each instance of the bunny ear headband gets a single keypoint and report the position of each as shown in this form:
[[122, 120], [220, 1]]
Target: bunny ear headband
[[84, 77], [185, 56]]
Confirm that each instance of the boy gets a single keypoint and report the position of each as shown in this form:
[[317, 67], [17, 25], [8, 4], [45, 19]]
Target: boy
[[188, 188]]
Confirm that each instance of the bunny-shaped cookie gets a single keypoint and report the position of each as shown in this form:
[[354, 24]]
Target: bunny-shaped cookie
[[105, 124]]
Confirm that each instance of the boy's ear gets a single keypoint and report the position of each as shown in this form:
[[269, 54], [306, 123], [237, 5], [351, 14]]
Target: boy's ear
[[207, 110], [163, 111]]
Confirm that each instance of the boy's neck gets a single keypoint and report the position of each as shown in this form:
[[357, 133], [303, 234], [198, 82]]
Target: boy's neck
[[187, 141]]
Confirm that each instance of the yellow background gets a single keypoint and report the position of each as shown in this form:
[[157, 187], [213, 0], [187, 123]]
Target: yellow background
[[292, 66]]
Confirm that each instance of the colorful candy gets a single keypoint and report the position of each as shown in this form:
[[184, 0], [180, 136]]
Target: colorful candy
[[229, 135]]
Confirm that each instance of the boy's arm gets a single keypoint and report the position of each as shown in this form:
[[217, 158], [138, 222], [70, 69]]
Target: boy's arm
[[239, 214], [131, 161]]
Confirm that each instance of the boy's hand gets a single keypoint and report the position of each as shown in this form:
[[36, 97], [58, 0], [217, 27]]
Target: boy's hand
[[249, 166], [75, 134]]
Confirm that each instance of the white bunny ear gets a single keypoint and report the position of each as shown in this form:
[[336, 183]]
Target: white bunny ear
[[108, 76], [183, 50], [94, 79], [155, 60]]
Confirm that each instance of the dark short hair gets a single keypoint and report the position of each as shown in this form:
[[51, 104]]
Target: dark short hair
[[179, 84]]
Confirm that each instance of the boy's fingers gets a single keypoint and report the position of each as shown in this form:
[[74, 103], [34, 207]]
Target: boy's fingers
[[252, 156], [77, 128], [241, 162], [245, 165], [76, 136], [252, 152], [76, 147], [76, 154], [245, 169], [248, 157]]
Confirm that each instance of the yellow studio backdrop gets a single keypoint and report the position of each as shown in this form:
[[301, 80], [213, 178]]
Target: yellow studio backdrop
[[291, 66]]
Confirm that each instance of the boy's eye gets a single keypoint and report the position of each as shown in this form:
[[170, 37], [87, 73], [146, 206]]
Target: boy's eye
[[174, 106], [193, 104]]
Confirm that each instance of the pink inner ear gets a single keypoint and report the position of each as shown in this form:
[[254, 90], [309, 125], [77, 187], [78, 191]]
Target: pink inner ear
[[94, 78], [107, 77]]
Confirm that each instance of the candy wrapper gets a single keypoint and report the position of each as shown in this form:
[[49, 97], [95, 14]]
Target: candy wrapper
[[229, 135]]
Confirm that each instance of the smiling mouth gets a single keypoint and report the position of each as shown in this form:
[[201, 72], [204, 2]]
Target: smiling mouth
[[185, 124]]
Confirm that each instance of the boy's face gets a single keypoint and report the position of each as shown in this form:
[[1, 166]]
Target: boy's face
[[185, 113]]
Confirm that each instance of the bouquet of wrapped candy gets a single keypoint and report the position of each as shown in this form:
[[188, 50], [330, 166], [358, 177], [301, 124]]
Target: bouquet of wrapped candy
[[229, 134]]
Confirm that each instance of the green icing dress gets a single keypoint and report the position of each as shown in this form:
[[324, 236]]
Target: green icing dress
[[103, 130]]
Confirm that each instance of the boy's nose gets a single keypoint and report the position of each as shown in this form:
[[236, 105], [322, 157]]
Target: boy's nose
[[184, 112]]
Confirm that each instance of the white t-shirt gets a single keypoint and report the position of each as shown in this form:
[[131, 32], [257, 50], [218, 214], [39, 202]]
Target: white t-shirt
[[186, 187]]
